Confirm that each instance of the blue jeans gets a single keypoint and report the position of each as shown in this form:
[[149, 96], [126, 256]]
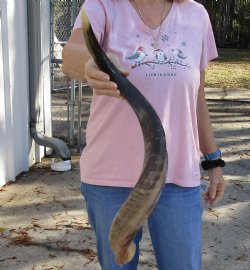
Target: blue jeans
[[174, 226]]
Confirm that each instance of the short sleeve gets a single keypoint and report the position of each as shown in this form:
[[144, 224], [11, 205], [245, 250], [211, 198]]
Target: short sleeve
[[97, 17], [209, 50]]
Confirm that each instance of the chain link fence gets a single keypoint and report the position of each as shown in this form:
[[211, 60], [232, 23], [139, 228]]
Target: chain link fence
[[70, 99], [63, 15]]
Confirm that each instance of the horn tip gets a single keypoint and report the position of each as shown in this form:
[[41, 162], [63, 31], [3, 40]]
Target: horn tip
[[85, 20], [125, 255]]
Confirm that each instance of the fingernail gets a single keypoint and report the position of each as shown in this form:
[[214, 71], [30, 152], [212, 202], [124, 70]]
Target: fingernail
[[113, 85], [105, 77]]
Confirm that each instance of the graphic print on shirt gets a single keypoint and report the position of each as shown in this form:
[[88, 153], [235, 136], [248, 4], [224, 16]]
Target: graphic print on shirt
[[178, 55], [172, 57], [138, 56]]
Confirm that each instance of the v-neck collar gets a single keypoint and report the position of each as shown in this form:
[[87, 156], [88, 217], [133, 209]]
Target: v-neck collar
[[145, 26]]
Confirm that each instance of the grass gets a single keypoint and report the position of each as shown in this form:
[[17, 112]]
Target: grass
[[230, 70]]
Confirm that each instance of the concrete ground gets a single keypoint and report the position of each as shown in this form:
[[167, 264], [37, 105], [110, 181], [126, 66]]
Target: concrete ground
[[43, 221]]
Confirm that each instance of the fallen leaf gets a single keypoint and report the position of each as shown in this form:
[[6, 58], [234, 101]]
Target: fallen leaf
[[34, 222], [242, 257], [68, 226], [61, 221], [213, 212], [54, 215], [64, 205], [21, 238], [2, 229], [38, 190], [89, 254], [52, 255], [36, 204], [77, 222], [53, 229]]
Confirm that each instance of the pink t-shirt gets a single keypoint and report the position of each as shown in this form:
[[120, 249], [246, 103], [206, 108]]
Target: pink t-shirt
[[168, 77]]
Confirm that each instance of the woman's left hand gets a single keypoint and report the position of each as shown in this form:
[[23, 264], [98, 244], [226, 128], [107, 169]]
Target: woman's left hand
[[217, 186]]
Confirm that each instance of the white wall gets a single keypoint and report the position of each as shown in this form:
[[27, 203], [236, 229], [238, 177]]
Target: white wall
[[19, 76], [17, 150], [4, 84], [7, 158]]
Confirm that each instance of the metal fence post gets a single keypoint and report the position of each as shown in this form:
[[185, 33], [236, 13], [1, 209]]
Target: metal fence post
[[79, 120], [71, 105], [73, 82], [52, 42]]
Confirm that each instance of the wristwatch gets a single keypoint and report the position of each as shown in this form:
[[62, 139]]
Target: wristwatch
[[214, 155]]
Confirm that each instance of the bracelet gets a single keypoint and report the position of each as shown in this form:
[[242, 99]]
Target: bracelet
[[213, 155], [209, 164]]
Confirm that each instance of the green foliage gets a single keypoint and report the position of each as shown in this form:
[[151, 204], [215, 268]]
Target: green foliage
[[230, 20]]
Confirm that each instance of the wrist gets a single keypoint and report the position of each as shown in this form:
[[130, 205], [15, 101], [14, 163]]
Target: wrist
[[211, 164], [215, 169]]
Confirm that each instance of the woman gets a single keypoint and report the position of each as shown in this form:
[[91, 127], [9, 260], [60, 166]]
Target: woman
[[163, 47]]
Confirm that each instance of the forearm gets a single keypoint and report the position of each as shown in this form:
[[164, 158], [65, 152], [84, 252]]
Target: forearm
[[75, 55], [206, 137]]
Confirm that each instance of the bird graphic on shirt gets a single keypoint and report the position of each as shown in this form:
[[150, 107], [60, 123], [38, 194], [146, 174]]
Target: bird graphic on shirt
[[138, 56], [160, 56], [178, 55]]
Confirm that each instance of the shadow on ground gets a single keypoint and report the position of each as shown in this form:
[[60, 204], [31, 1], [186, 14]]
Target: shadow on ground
[[43, 221]]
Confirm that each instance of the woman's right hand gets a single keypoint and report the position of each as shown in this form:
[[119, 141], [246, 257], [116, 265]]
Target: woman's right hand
[[99, 81]]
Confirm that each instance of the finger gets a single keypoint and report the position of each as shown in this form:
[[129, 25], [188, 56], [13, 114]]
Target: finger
[[219, 196], [97, 74], [125, 73], [122, 70], [214, 201], [213, 189], [108, 92], [206, 196], [97, 84], [92, 71]]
